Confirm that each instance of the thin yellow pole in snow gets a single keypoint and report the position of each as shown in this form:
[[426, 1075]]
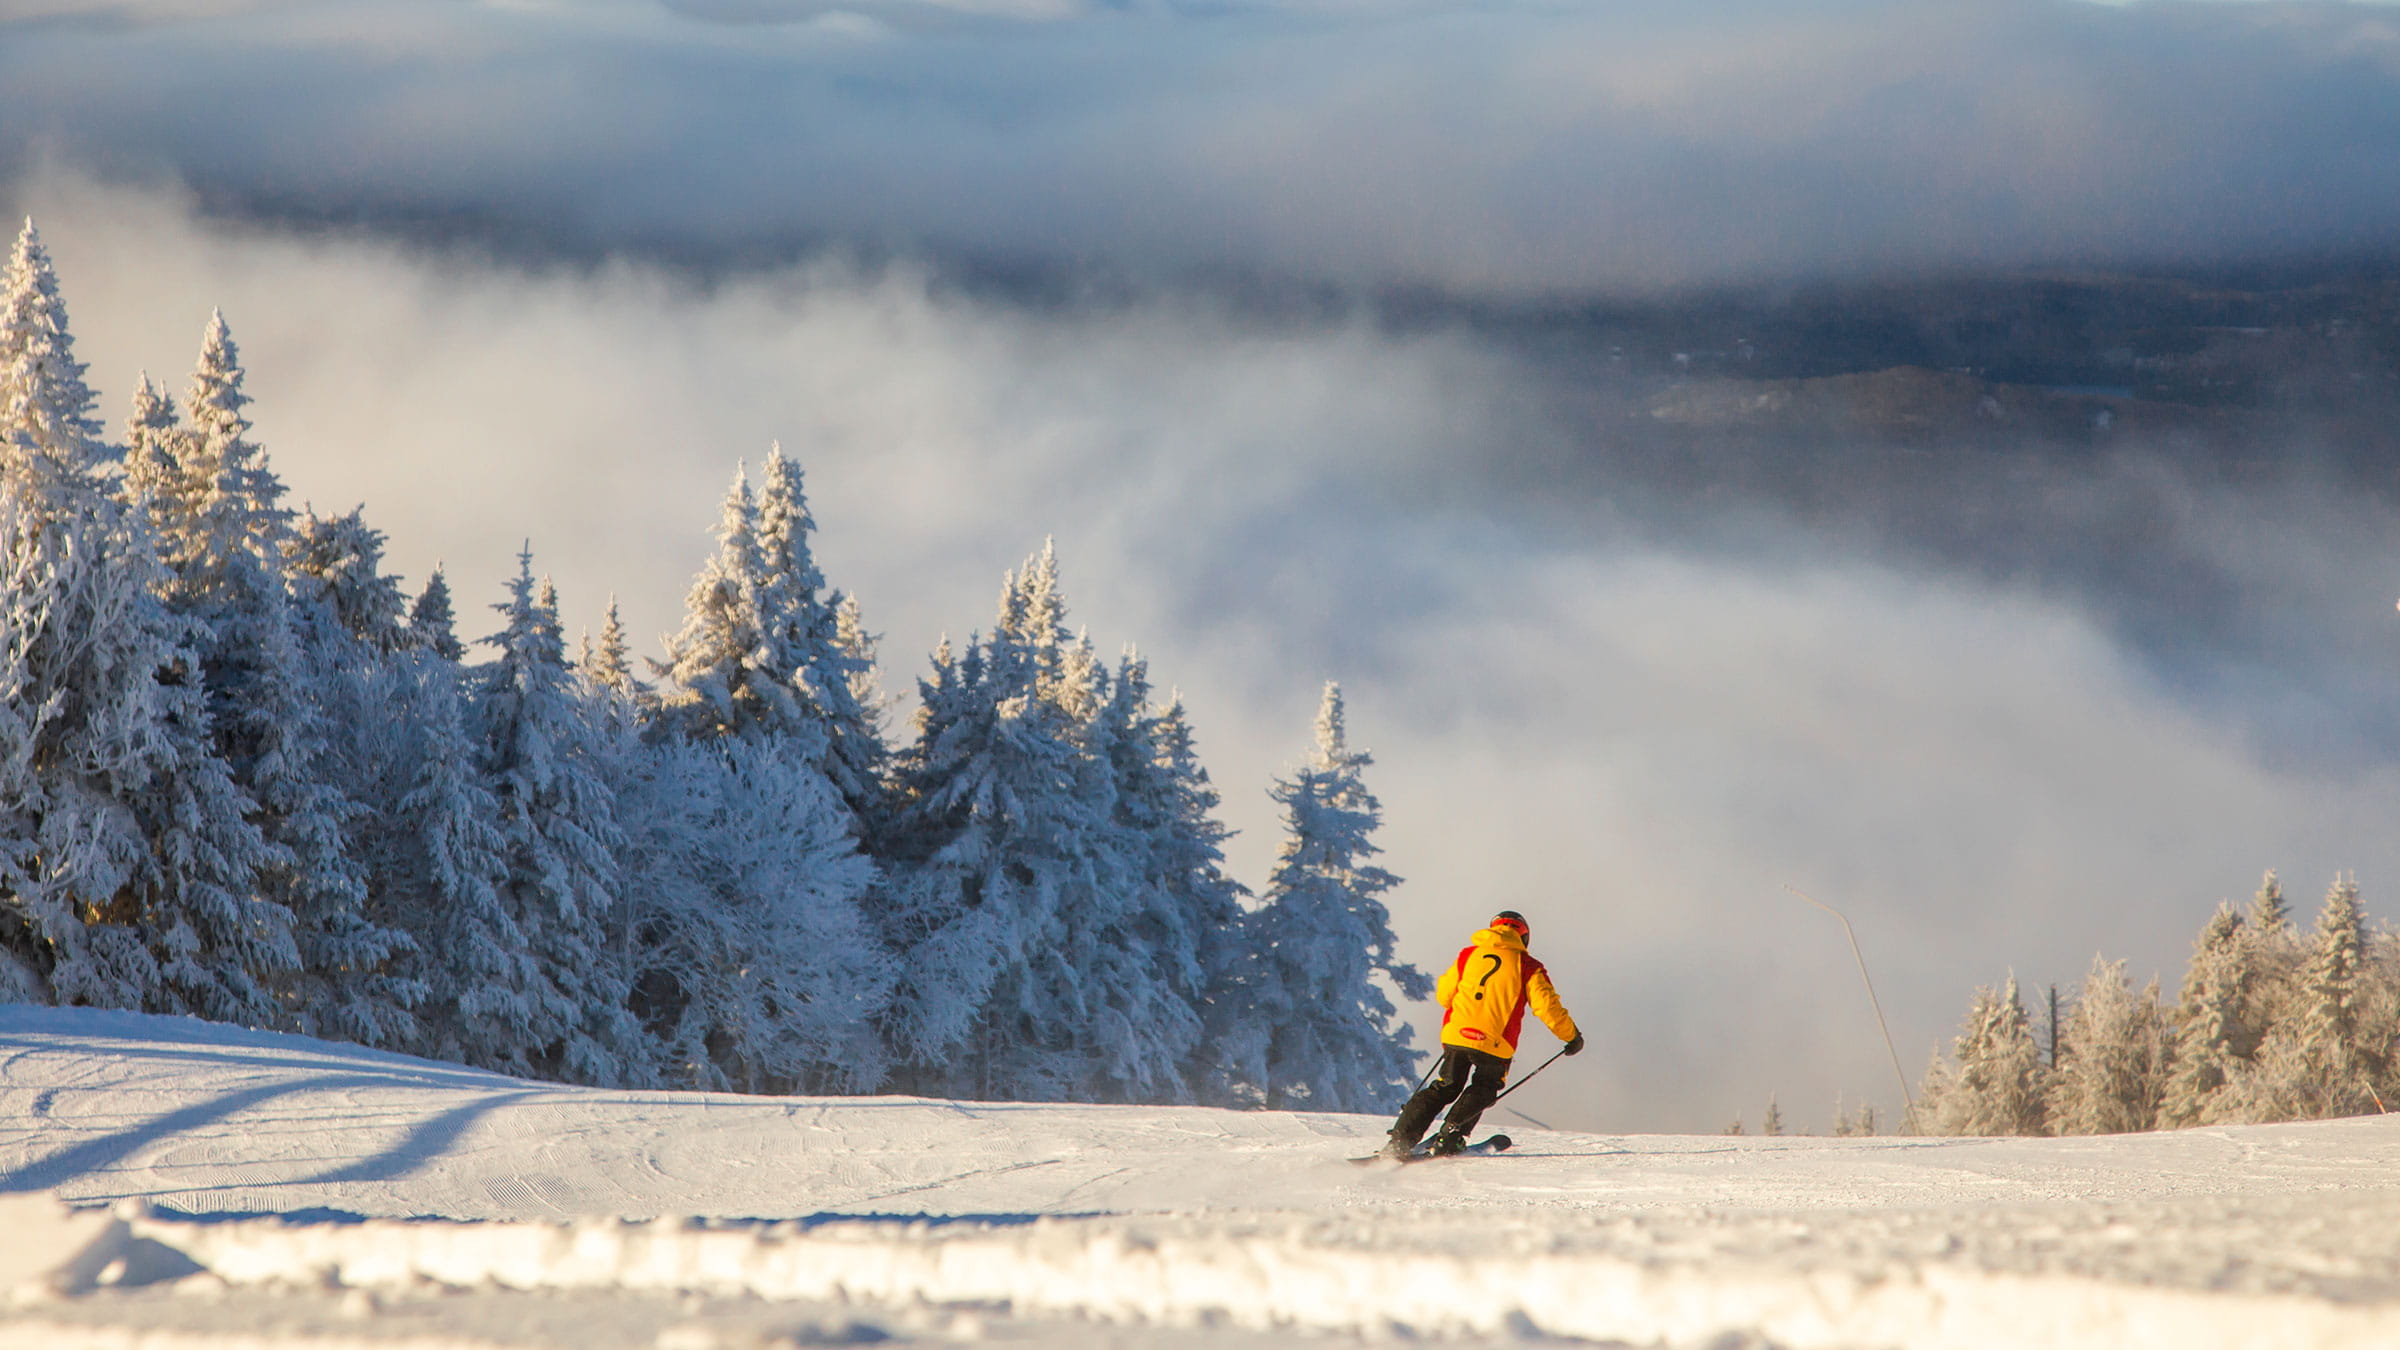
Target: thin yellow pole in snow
[[1872, 1001]]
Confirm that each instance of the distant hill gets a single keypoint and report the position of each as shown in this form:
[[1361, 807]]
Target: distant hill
[[1910, 405]]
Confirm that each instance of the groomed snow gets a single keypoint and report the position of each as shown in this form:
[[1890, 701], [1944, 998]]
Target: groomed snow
[[165, 1182]]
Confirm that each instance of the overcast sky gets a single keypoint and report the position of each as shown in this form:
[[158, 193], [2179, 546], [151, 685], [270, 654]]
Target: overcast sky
[[548, 271], [1490, 148]]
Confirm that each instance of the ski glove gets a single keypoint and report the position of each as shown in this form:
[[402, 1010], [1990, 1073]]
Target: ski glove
[[1575, 1047]]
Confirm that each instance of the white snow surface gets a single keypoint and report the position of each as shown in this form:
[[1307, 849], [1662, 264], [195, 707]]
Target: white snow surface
[[167, 1183]]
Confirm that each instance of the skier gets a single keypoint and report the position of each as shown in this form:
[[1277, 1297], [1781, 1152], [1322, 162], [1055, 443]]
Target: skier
[[1483, 995]]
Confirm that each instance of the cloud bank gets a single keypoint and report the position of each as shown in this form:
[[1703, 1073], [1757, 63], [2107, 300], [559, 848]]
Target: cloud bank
[[1632, 719], [1528, 150]]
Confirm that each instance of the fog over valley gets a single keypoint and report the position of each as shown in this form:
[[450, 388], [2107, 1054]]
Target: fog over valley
[[1938, 458]]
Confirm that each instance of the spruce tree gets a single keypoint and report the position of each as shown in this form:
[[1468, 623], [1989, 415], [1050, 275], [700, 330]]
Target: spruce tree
[[1190, 861], [154, 444], [228, 538], [859, 648], [761, 653], [622, 702], [1177, 901], [947, 944], [609, 664], [2112, 1073], [2211, 1041], [2319, 1057], [757, 970], [560, 840], [128, 857], [346, 613], [2330, 1058], [2274, 958], [432, 626], [754, 680], [439, 877], [1935, 1104], [337, 578], [1329, 1038], [717, 682], [50, 442], [1996, 1086], [816, 638], [1016, 898], [2268, 912], [2331, 1029]]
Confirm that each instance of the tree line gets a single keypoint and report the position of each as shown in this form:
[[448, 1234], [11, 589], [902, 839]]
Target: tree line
[[245, 776], [2272, 1023]]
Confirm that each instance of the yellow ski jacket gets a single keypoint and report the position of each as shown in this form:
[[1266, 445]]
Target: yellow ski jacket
[[1485, 992]]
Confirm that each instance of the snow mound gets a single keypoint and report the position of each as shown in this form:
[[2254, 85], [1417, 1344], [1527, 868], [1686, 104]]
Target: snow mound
[[271, 1167]]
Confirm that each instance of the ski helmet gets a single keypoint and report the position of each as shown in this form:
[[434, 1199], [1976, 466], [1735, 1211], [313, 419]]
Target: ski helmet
[[1509, 918]]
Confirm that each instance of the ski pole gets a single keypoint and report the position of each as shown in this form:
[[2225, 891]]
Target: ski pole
[[1529, 1077]]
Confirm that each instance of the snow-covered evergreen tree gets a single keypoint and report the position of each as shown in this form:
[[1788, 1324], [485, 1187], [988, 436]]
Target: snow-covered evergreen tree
[[2111, 1073], [608, 664], [435, 869], [1996, 1084], [220, 514], [717, 679], [2330, 1028], [2317, 1058], [859, 646], [127, 854], [2274, 955], [829, 657], [1189, 860], [1146, 969], [756, 676], [364, 688], [2268, 911], [50, 442], [336, 569], [228, 536], [622, 703], [762, 652], [948, 942], [154, 444], [432, 624], [757, 971], [1327, 1035], [1188, 914], [1018, 898], [2211, 1038], [559, 840], [1931, 1107], [87, 901]]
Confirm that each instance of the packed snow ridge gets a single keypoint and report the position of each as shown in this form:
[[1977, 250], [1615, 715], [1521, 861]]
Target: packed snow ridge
[[167, 1182]]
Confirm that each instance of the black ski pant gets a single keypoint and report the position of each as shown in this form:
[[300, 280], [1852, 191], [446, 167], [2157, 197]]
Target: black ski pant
[[1466, 1081]]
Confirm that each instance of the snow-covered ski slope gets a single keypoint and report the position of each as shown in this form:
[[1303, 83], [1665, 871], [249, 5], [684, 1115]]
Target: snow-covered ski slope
[[223, 1187]]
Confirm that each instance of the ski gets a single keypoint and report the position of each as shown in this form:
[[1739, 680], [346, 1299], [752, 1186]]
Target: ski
[[1497, 1143]]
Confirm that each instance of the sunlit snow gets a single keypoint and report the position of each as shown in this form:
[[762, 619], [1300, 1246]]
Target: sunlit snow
[[166, 1182]]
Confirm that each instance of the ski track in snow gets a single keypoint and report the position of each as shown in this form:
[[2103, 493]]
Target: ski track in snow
[[277, 1191]]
